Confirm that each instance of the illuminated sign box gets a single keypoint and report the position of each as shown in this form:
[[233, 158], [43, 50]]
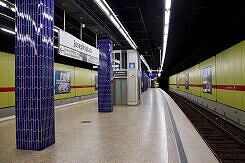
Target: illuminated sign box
[[73, 47], [151, 74]]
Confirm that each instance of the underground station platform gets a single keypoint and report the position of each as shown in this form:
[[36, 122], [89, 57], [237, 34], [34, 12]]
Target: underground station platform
[[132, 81], [154, 131]]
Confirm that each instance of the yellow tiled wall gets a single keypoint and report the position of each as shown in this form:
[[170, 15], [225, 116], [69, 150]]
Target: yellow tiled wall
[[7, 80], [228, 68], [84, 78], [194, 78], [231, 71]]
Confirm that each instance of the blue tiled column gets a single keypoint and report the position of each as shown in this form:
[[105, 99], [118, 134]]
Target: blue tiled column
[[105, 76], [34, 73]]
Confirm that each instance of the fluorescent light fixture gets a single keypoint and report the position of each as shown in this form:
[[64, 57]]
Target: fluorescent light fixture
[[166, 29], [8, 5], [13, 9], [103, 5], [123, 33], [3, 4], [7, 30], [56, 30], [167, 16], [144, 61], [167, 4], [164, 47], [165, 39], [114, 21]]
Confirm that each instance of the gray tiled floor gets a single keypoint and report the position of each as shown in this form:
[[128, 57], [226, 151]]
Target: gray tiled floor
[[129, 134]]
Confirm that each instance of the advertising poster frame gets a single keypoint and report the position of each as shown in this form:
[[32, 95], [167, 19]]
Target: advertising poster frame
[[177, 81], [207, 80], [62, 82], [187, 81]]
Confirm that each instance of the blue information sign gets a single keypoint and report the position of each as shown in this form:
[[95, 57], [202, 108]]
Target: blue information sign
[[132, 65], [151, 74]]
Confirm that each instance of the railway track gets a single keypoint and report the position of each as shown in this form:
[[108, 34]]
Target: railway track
[[226, 141]]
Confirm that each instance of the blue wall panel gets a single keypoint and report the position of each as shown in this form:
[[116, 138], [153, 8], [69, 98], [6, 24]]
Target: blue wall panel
[[34, 69], [105, 75]]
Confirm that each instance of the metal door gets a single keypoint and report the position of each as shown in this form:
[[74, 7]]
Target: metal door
[[124, 91], [120, 91], [117, 91]]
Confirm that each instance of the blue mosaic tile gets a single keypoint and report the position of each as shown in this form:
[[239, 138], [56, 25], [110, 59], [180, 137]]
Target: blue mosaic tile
[[34, 68], [105, 76], [144, 80]]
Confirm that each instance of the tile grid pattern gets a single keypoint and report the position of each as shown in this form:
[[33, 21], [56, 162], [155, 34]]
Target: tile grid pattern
[[105, 75], [34, 60]]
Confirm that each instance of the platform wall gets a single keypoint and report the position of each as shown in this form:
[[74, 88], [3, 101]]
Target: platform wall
[[228, 78], [82, 80]]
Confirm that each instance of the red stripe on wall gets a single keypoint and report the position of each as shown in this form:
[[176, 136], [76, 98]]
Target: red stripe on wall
[[12, 89], [9, 89], [225, 87], [230, 87], [196, 85]]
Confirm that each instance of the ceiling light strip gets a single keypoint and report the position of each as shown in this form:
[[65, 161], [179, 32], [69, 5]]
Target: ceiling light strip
[[113, 18], [144, 61], [3, 4], [166, 29], [7, 5], [7, 30]]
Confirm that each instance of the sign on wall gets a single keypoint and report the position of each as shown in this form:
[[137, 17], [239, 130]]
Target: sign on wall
[[151, 75], [131, 65], [120, 73], [187, 81], [177, 81], [73, 47], [96, 82], [207, 80], [62, 82]]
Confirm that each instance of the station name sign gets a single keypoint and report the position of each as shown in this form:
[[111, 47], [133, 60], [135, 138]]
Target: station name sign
[[82, 47], [73, 47]]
